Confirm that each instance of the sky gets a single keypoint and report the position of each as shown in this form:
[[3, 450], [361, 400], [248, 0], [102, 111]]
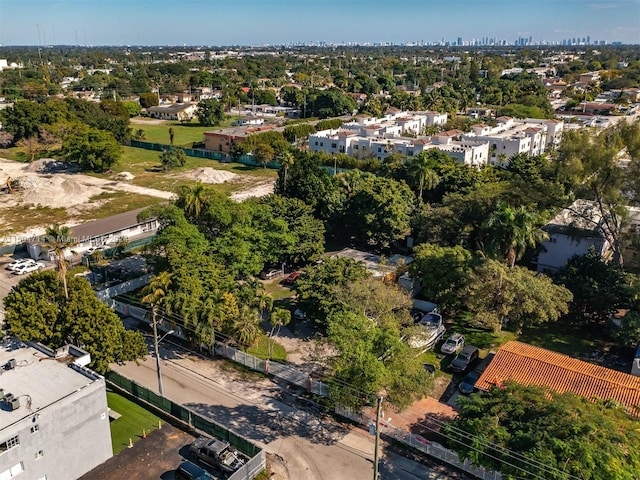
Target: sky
[[277, 22]]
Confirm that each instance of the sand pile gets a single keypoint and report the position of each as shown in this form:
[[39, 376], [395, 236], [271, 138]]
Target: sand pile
[[211, 175], [57, 191]]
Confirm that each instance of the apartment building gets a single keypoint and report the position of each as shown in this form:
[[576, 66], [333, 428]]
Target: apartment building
[[377, 138], [511, 137], [54, 418]]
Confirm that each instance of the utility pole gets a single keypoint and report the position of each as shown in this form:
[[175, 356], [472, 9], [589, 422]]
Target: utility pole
[[156, 346], [377, 442]]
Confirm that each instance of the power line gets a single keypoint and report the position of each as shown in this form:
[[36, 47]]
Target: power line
[[343, 385]]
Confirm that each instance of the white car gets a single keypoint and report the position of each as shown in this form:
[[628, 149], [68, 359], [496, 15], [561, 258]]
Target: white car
[[20, 263], [28, 268]]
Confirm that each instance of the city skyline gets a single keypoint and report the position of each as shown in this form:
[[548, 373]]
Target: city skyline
[[279, 22]]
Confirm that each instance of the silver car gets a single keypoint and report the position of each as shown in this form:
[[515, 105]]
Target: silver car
[[454, 343]]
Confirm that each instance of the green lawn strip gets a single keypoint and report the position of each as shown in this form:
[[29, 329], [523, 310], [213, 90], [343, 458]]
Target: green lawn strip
[[261, 349], [133, 420], [277, 291], [561, 338]]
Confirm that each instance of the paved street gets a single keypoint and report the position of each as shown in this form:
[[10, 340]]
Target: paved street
[[313, 447]]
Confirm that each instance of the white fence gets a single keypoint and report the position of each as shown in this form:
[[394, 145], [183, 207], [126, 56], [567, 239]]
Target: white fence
[[303, 380]]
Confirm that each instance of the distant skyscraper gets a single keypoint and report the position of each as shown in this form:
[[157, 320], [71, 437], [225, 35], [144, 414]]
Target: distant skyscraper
[[459, 41]]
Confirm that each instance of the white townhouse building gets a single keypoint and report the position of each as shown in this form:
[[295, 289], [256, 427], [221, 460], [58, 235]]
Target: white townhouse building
[[511, 137], [370, 137], [379, 141]]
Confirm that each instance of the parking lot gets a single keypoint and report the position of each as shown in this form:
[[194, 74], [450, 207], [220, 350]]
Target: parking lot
[[154, 457], [7, 279]]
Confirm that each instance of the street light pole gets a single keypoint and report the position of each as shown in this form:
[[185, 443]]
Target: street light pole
[[156, 345], [377, 442]]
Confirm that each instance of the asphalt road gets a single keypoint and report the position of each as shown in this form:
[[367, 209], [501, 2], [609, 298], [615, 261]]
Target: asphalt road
[[313, 447]]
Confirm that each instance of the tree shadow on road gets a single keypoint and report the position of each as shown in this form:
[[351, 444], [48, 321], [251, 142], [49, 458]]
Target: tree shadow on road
[[272, 421]]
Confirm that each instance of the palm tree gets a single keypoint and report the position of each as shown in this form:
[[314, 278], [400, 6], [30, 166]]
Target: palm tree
[[59, 240], [263, 153], [280, 317], [154, 294], [194, 200], [286, 160], [511, 230], [420, 169], [246, 326], [156, 291]]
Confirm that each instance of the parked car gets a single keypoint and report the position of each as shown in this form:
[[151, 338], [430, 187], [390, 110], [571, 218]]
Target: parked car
[[454, 343], [217, 453], [291, 279], [20, 263], [462, 362], [468, 383], [93, 250], [191, 471], [28, 268], [299, 314], [269, 274]]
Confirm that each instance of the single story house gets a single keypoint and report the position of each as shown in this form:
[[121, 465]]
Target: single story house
[[105, 232], [378, 266], [572, 232], [529, 365], [175, 111]]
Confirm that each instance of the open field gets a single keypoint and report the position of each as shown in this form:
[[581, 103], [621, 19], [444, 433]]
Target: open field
[[65, 197], [157, 131]]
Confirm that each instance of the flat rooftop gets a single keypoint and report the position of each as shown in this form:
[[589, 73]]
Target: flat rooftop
[[37, 380]]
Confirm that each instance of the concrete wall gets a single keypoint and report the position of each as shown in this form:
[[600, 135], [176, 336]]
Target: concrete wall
[[72, 434]]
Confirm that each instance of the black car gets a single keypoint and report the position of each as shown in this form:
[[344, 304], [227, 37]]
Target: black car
[[468, 383], [191, 471], [464, 359]]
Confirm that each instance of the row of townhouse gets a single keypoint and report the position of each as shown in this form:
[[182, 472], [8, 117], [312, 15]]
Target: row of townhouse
[[378, 138]]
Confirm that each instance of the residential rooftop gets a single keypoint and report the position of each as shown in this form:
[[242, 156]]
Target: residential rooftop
[[529, 365], [39, 377]]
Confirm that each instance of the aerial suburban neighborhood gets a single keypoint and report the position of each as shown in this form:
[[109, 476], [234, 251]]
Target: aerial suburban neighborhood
[[325, 260]]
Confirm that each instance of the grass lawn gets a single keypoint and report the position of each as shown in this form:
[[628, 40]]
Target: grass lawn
[[261, 349], [277, 291], [562, 339], [184, 134], [133, 420]]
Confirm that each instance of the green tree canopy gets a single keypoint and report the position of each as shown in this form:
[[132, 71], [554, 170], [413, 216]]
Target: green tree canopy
[[92, 149], [516, 296], [315, 289], [37, 310], [532, 432], [210, 112], [172, 158], [599, 288], [442, 271]]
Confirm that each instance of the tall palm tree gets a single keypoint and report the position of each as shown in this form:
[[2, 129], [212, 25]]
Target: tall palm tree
[[59, 240], [286, 160], [420, 169], [280, 317], [511, 230], [246, 326], [155, 292]]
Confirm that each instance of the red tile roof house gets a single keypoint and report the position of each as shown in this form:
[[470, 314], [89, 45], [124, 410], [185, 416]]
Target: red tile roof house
[[529, 365]]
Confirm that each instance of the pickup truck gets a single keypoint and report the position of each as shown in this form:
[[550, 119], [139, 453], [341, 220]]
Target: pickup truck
[[217, 453]]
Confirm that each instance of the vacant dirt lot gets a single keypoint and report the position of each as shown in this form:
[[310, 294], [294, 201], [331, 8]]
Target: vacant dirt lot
[[50, 184]]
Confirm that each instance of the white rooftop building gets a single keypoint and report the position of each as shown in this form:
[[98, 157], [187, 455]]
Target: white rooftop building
[[54, 418]]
